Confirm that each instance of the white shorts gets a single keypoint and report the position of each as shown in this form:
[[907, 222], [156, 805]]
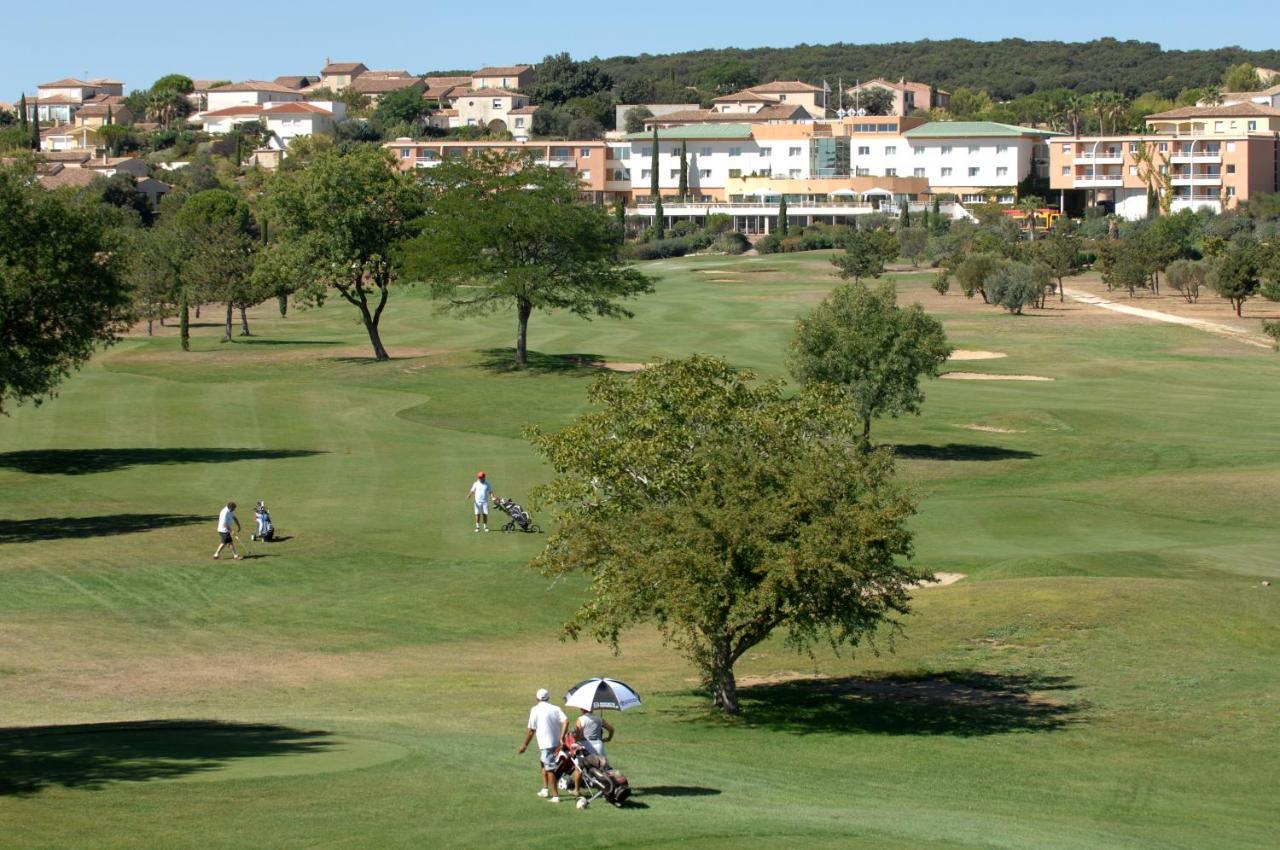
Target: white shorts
[[482, 508]]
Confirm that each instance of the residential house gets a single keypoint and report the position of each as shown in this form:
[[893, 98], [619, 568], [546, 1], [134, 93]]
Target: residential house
[[506, 77], [444, 90], [907, 96], [1266, 97], [769, 113], [1209, 157], [59, 100], [199, 94], [483, 107], [297, 83], [374, 85], [283, 120], [97, 114], [809, 96], [336, 76], [249, 92], [655, 109]]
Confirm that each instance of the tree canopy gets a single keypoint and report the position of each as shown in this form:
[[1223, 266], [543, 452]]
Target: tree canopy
[[61, 291], [720, 510]]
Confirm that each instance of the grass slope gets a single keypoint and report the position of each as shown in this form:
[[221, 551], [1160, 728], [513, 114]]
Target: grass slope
[[1104, 677]]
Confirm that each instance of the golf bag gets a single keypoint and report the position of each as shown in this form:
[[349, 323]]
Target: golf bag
[[265, 532], [598, 777], [519, 517]]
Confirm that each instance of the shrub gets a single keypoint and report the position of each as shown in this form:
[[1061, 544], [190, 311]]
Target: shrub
[[770, 244], [973, 272], [1187, 277], [941, 282], [660, 249], [730, 242], [1014, 286], [718, 223], [1272, 329]]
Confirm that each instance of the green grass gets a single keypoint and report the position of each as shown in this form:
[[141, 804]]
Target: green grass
[[1104, 676]]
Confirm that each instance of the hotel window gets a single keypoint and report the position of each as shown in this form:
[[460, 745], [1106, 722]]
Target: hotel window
[[519, 122], [584, 151], [794, 151], [793, 173], [1006, 199], [1133, 147], [620, 153], [1231, 147], [1002, 148], [946, 149], [973, 148], [1231, 169], [890, 150], [919, 172], [917, 149], [1164, 147], [1253, 125], [946, 172], [1231, 191], [704, 173], [497, 103], [1002, 171], [1066, 170], [735, 151], [585, 174], [404, 153], [766, 151], [1235, 125], [642, 152], [864, 150], [1217, 126], [706, 151], [644, 174], [973, 171], [974, 199], [675, 173], [1066, 149], [1133, 171]]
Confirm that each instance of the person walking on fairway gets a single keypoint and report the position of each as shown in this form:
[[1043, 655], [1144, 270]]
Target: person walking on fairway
[[226, 517], [547, 722], [480, 493]]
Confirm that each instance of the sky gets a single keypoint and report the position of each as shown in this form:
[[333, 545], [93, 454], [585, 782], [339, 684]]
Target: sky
[[239, 40]]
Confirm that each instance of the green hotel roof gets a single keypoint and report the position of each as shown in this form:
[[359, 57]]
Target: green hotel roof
[[961, 129], [696, 131]]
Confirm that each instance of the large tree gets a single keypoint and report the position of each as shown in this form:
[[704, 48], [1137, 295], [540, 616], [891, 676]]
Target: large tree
[[687, 499], [1060, 251], [503, 232], [865, 254], [337, 224], [875, 352], [61, 291], [219, 241]]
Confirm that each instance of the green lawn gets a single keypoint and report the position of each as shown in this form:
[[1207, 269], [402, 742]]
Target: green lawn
[[1105, 675]]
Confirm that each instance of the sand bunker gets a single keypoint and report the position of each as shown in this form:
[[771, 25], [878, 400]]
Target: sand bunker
[[618, 366], [965, 354], [943, 579], [990, 428], [983, 376]]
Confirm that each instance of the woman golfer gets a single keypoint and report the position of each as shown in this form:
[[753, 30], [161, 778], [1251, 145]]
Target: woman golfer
[[480, 493]]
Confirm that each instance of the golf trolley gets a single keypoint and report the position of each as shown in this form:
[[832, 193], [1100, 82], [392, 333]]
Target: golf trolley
[[519, 517], [597, 775]]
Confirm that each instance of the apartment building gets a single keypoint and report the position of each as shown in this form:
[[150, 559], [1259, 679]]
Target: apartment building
[[483, 107], [586, 158], [1208, 157]]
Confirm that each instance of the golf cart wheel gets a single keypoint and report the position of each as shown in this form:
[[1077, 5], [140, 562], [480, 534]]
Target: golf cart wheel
[[533, 529], [508, 527]]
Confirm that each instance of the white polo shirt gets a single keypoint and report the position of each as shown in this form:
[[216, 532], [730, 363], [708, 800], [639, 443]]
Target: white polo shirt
[[226, 519], [480, 491], [547, 721]]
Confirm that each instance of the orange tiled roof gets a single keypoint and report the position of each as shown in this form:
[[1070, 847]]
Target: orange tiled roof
[[1235, 110], [785, 87], [503, 71], [343, 67], [365, 85], [493, 93], [746, 95], [255, 85]]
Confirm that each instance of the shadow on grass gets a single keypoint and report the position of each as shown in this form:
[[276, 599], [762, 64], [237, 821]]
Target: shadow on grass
[[959, 704], [72, 527], [92, 755], [959, 451], [87, 461], [675, 791], [504, 360]]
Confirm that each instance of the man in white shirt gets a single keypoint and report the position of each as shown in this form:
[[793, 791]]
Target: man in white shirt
[[546, 721], [479, 494], [226, 517]]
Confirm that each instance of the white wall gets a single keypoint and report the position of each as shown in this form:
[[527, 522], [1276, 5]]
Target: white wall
[[223, 99]]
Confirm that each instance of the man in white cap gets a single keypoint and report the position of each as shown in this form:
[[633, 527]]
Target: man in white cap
[[547, 721], [480, 493]]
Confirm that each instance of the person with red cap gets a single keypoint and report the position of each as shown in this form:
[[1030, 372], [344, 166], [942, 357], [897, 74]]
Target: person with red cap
[[480, 493]]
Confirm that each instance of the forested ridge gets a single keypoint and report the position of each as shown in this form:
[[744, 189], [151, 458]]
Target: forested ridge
[[1005, 68]]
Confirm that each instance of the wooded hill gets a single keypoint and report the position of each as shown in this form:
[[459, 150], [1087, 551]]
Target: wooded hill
[[1005, 68]]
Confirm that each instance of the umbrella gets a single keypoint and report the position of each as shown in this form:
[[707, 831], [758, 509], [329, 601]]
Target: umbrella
[[601, 693], [843, 192]]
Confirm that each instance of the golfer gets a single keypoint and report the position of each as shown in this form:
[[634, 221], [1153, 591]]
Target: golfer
[[480, 493], [546, 721], [226, 517], [593, 731]]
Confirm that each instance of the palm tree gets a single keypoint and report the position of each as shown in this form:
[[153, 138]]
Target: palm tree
[[1073, 110], [1028, 204], [1113, 106]]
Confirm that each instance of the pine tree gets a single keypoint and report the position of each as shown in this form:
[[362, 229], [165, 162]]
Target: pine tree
[[22, 112], [620, 215], [184, 320], [108, 123], [782, 216], [904, 214], [653, 165], [35, 133], [659, 226], [683, 191]]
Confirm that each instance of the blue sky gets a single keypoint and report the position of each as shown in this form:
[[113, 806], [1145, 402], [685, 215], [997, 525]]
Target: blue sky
[[238, 40]]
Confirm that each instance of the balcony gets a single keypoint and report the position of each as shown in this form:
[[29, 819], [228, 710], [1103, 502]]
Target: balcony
[[559, 162], [1211, 157], [1198, 180], [1100, 181], [1102, 157]]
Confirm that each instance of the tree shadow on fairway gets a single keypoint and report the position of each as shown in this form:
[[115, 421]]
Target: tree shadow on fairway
[[87, 461], [957, 703], [959, 451], [92, 755], [79, 527], [504, 360]]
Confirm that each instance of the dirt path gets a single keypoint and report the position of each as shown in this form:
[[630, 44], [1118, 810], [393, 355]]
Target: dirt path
[[1156, 315]]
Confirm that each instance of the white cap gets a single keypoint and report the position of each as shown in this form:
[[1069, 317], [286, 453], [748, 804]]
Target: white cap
[[544, 694]]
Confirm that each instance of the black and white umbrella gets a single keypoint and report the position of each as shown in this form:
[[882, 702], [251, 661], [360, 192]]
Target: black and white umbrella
[[601, 693]]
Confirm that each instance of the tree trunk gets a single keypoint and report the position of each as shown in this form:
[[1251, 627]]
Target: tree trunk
[[197, 311], [162, 324], [283, 301], [1061, 297], [375, 339], [230, 318], [148, 327], [244, 323], [523, 310], [184, 322], [724, 687]]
